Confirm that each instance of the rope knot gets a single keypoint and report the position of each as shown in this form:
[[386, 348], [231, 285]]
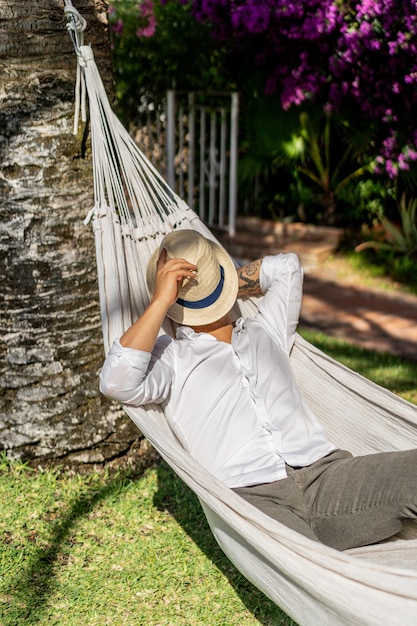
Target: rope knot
[[85, 55], [76, 25], [76, 21]]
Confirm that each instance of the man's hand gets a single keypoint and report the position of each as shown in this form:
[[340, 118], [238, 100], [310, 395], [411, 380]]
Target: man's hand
[[169, 276]]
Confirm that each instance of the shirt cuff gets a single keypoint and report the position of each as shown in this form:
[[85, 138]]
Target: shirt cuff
[[137, 359]]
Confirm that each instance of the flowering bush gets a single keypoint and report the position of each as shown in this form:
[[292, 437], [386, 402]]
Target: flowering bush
[[356, 55], [145, 18], [147, 15], [351, 62]]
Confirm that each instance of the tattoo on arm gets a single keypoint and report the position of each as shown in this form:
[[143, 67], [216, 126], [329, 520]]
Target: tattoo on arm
[[251, 268], [249, 279]]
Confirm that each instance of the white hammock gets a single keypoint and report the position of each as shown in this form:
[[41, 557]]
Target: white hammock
[[314, 584]]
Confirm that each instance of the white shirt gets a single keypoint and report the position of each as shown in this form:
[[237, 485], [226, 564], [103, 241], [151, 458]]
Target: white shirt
[[235, 408]]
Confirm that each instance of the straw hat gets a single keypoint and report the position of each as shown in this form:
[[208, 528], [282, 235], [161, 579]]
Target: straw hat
[[213, 292]]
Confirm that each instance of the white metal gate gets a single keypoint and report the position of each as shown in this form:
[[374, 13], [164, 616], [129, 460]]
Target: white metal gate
[[193, 141]]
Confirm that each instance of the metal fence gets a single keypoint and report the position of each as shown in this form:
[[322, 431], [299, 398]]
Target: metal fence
[[192, 139]]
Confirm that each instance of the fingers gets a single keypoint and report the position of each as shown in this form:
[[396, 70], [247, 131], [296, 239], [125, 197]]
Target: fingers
[[170, 275], [180, 267]]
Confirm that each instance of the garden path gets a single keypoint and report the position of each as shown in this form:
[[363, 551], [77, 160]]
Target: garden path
[[371, 313], [368, 316]]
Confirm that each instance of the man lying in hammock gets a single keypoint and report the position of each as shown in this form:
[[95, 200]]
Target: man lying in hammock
[[232, 401]]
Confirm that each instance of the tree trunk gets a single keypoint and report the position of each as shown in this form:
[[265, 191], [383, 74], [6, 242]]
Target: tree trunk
[[51, 349]]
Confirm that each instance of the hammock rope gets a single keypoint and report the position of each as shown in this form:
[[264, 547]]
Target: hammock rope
[[76, 26], [133, 210]]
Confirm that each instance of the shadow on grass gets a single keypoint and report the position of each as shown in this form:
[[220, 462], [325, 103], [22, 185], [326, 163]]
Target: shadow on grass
[[176, 498], [36, 582]]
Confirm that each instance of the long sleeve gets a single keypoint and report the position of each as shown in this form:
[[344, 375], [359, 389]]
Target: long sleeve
[[281, 281], [135, 377]]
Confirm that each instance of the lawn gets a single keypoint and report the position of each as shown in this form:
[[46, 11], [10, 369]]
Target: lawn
[[122, 550], [133, 549]]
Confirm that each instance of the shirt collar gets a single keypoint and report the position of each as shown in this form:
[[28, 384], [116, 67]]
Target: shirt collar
[[185, 332]]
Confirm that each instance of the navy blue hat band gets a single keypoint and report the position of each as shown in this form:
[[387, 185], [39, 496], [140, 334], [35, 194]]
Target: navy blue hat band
[[208, 300]]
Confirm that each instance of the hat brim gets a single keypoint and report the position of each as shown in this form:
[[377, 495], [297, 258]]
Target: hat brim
[[209, 314]]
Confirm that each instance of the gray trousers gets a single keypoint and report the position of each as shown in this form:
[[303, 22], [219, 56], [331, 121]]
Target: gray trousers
[[341, 500]]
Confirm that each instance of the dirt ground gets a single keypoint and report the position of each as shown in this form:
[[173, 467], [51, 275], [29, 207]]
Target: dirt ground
[[372, 313]]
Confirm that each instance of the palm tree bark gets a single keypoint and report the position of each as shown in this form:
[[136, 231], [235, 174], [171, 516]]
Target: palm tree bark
[[51, 349]]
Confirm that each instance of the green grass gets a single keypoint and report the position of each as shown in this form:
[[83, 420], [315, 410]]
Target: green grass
[[122, 550], [134, 550], [383, 269]]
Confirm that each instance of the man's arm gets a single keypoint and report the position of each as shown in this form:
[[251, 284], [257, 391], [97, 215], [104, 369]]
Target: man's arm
[[282, 284], [281, 278], [249, 279], [144, 332]]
